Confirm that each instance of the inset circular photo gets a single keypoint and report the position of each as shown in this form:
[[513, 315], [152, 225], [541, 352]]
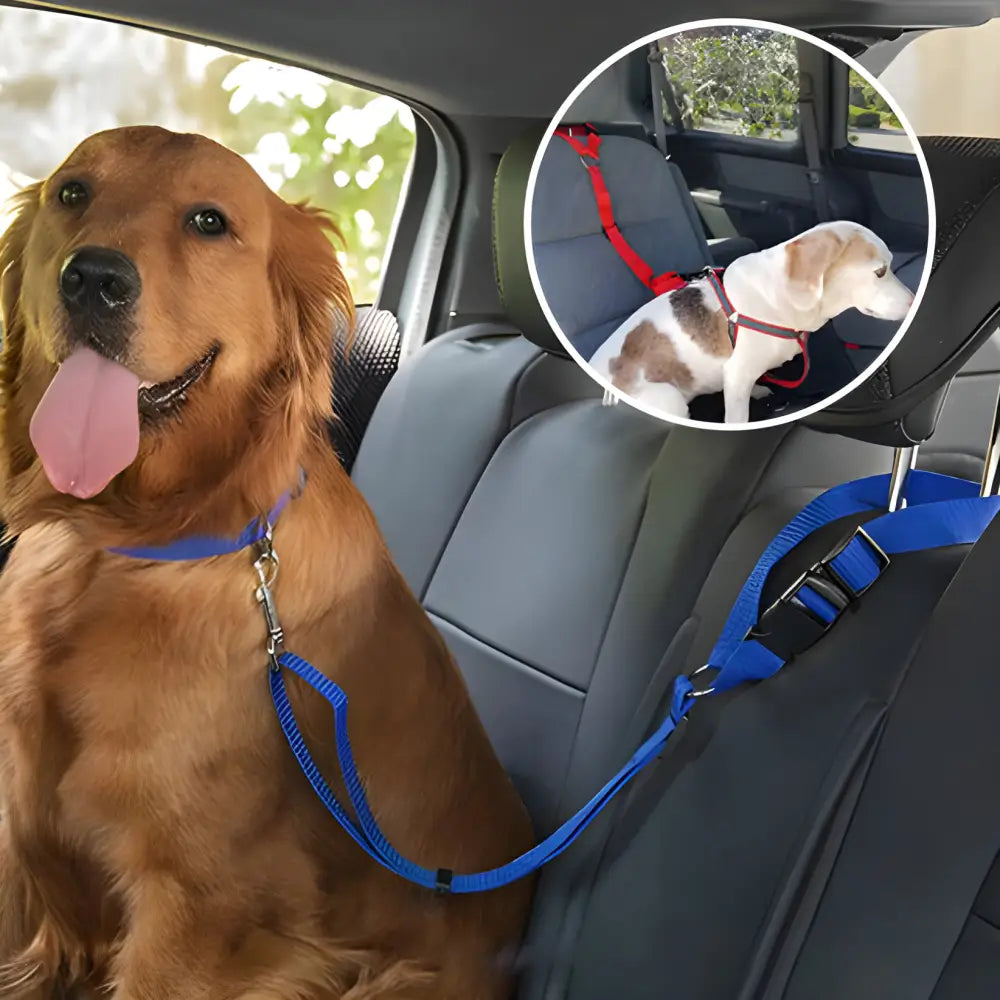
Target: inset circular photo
[[729, 223]]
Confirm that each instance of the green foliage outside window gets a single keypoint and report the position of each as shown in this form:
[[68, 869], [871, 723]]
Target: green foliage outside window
[[741, 81], [343, 148], [867, 108]]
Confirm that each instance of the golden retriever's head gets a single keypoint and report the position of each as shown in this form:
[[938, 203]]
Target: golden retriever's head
[[168, 324]]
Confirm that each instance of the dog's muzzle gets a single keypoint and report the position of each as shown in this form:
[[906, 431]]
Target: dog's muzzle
[[99, 288]]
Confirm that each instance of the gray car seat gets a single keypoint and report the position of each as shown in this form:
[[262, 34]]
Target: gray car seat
[[829, 833], [586, 284], [558, 543], [561, 545]]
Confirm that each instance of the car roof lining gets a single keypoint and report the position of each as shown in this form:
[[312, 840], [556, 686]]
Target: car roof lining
[[473, 59]]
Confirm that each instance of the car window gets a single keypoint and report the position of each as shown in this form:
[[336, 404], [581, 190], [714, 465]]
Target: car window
[[871, 123], [735, 81], [345, 149]]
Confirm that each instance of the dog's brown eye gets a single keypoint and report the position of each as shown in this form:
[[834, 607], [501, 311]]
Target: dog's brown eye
[[882, 271], [209, 222], [73, 194]]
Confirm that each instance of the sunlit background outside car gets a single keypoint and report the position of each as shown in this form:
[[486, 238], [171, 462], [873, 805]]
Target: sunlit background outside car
[[339, 146]]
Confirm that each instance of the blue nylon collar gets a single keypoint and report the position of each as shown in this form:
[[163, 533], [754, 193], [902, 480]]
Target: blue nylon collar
[[207, 546]]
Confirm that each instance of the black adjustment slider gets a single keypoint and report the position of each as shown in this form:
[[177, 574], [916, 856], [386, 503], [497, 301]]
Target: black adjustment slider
[[443, 880]]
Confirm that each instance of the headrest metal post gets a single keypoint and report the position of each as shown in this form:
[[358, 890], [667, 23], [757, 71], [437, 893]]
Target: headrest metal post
[[610, 399], [903, 460], [990, 484]]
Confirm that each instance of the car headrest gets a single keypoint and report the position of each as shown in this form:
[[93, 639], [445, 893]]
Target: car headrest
[[620, 94], [899, 404], [510, 189]]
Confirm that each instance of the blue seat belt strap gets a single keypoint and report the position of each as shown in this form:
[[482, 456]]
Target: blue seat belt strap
[[940, 511]]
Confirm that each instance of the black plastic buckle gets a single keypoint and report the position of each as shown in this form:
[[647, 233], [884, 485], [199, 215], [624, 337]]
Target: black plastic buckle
[[442, 881], [788, 627]]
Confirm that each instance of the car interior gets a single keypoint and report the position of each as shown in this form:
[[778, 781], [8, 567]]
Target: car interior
[[829, 833], [716, 198]]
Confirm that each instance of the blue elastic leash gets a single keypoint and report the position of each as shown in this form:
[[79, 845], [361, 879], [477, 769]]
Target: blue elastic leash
[[940, 511]]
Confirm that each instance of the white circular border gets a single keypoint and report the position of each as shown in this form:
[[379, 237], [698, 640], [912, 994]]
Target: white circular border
[[714, 22]]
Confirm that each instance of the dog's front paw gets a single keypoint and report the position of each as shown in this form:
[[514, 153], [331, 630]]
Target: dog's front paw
[[760, 392]]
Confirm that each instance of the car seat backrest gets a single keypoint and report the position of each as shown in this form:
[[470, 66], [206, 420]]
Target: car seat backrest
[[558, 543]]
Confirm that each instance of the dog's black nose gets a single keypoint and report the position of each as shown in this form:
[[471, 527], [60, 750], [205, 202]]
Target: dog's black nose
[[99, 281]]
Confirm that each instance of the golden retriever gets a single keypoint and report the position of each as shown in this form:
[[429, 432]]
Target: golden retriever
[[158, 838]]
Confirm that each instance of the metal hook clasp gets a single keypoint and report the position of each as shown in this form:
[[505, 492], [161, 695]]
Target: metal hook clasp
[[700, 693], [266, 566]]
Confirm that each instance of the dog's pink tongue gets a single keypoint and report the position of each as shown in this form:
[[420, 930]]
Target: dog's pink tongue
[[86, 428]]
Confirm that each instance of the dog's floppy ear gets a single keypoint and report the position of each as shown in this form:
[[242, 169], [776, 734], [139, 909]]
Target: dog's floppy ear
[[16, 453], [313, 301], [807, 259], [13, 243]]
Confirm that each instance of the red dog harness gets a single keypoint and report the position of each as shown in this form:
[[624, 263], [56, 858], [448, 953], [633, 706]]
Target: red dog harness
[[587, 144], [736, 320]]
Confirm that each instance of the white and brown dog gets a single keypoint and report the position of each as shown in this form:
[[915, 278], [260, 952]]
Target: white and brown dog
[[679, 346]]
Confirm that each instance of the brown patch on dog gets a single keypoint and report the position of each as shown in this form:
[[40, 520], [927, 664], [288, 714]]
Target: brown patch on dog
[[858, 251], [707, 327], [807, 260], [649, 353], [157, 838]]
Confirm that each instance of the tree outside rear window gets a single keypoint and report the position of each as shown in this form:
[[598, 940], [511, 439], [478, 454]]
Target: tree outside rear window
[[736, 81], [870, 120]]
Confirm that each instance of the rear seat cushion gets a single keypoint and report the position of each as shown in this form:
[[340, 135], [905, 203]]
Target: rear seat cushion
[[588, 287]]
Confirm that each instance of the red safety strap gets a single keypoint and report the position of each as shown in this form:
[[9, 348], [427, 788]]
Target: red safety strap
[[589, 150]]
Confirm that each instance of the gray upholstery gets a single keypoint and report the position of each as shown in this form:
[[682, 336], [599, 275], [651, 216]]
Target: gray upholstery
[[563, 548], [725, 249], [588, 287], [557, 542]]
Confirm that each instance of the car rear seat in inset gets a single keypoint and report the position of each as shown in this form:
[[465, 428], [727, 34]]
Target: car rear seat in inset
[[587, 286]]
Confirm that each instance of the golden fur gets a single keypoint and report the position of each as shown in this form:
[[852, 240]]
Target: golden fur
[[158, 839]]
